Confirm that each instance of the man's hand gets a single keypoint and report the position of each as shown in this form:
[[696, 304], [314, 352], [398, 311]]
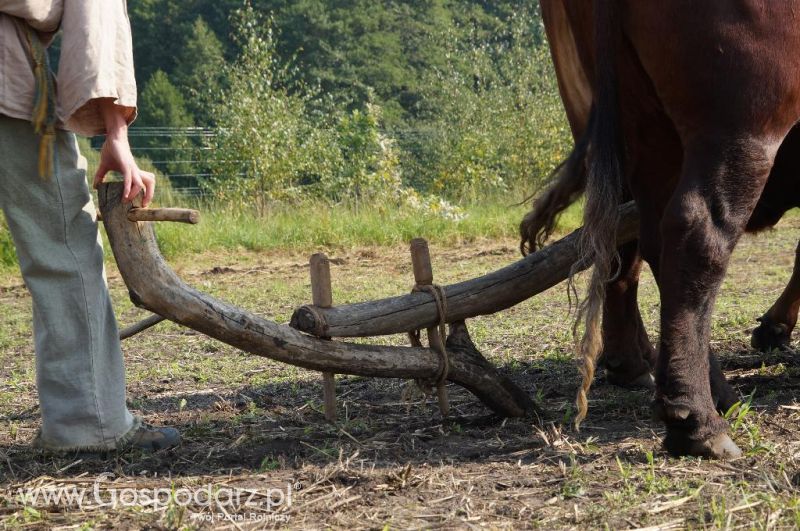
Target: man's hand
[[116, 156]]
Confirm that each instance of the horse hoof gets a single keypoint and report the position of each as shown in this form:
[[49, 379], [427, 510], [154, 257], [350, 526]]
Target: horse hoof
[[770, 335], [719, 446], [643, 381]]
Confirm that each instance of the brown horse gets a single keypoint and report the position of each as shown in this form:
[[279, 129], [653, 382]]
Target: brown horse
[[627, 354], [692, 105]]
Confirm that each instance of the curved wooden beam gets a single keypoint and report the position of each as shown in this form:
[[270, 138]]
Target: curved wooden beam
[[153, 285], [484, 295]]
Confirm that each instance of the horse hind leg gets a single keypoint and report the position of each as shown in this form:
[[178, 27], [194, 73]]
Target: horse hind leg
[[628, 356], [775, 326], [722, 394], [719, 187]]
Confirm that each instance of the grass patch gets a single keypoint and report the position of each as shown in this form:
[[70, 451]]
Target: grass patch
[[8, 256], [322, 225]]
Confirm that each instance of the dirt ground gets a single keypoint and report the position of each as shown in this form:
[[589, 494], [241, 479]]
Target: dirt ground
[[256, 443]]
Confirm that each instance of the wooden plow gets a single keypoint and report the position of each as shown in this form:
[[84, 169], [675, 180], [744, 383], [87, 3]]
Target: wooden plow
[[307, 341]]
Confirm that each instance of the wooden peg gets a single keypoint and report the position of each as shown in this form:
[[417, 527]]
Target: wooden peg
[[423, 276], [322, 296], [180, 215], [421, 262]]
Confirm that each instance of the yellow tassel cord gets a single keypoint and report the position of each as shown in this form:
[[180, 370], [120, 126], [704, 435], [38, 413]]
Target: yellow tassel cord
[[44, 105]]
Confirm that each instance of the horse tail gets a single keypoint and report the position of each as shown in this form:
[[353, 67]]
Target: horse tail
[[603, 194]]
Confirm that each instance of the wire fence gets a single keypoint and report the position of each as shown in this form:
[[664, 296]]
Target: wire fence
[[180, 153]]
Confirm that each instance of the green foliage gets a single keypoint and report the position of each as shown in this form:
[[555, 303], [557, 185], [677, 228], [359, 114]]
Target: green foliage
[[161, 26], [356, 51], [370, 170], [163, 105], [740, 415], [261, 148], [363, 50], [200, 69], [350, 48], [8, 256], [498, 124], [273, 144], [410, 104], [366, 164]]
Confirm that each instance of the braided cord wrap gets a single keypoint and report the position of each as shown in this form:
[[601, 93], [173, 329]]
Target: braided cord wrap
[[43, 116]]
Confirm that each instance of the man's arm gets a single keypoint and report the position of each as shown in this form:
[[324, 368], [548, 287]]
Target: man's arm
[[116, 154], [96, 62], [41, 15], [96, 86]]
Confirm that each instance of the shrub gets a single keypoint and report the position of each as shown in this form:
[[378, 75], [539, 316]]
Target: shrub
[[279, 142], [495, 121], [265, 145]]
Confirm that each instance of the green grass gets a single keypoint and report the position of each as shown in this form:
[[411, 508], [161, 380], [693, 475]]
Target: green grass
[[322, 225], [318, 224], [8, 257]]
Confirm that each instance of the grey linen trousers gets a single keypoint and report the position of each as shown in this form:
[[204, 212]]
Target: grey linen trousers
[[80, 374]]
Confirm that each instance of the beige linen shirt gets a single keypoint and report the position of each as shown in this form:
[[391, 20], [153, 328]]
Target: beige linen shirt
[[96, 59]]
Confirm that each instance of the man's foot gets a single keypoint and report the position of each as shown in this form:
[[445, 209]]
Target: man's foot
[[144, 437], [153, 438]]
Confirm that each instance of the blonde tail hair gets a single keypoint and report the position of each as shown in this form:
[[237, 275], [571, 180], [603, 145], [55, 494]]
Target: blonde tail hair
[[603, 196]]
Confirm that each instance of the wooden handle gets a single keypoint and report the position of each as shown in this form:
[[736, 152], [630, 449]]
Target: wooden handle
[[421, 262], [180, 215], [141, 326]]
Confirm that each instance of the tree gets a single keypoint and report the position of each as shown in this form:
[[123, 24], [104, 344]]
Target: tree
[[199, 72], [353, 50], [465, 88], [261, 148], [496, 120], [161, 26], [162, 106], [358, 50]]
